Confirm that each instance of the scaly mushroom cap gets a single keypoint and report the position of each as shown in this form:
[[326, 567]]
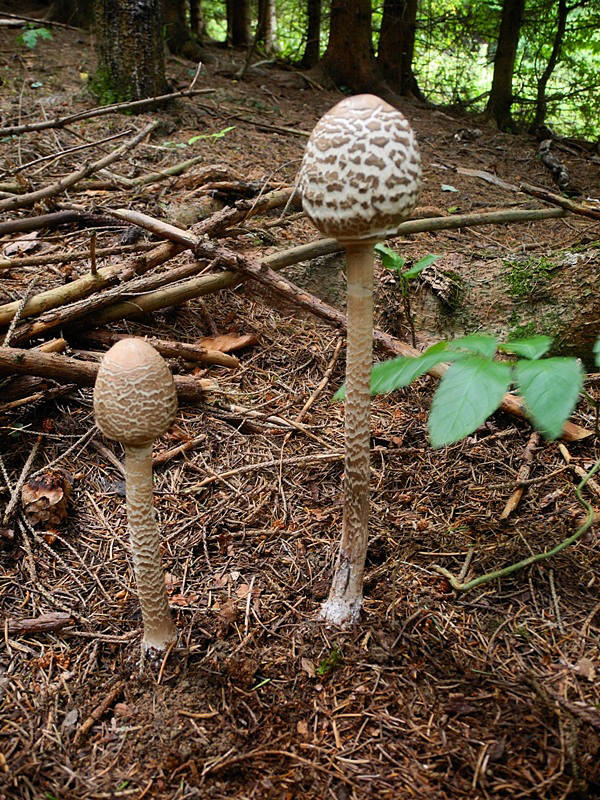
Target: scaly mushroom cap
[[134, 397], [361, 171]]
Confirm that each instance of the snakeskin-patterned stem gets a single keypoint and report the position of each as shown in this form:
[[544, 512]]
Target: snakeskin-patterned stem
[[345, 597], [159, 630]]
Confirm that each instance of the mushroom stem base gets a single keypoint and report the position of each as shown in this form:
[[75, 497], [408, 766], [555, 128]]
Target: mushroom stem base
[[159, 630], [345, 597]]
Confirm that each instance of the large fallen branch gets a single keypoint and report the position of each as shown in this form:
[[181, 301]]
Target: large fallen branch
[[83, 373], [392, 346], [23, 200], [138, 265]]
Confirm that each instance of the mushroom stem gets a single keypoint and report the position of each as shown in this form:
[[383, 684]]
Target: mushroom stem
[[345, 597], [159, 630]]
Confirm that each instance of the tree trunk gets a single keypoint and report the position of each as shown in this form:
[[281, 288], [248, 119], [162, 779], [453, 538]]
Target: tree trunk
[[349, 59], [197, 23], [131, 62], [541, 106], [397, 44], [501, 96], [178, 35], [312, 51], [238, 23], [267, 25]]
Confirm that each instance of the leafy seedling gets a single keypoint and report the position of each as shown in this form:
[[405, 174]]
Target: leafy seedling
[[333, 660], [475, 383], [394, 262], [32, 35]]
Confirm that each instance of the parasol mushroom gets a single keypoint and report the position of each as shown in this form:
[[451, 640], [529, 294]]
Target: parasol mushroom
[[359, 178], [134, 402]]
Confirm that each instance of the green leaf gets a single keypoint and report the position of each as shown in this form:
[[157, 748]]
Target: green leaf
[[446, 187], [469, 392], [417, 268], [31, 36], [597, 351], [217, 135], [389, 258], [398, 372], [477, 343], [533, 347], [550, 388]]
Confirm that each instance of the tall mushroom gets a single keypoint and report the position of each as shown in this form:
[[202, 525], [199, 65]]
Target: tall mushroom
[[359, 178], [134, 402]]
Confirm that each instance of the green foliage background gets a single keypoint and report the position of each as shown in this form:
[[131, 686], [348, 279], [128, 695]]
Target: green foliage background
[[454, 53]]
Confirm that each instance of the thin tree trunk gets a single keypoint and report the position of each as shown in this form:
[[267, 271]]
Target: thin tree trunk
[[312, 51], [131, 63], [267, 25], [178, 35], [541, 106], [238, 23], [197, 23], [397, 44], [501, 95], [349, 59]]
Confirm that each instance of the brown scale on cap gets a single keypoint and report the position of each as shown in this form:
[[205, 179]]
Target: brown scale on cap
[[359, 178], [361, 170]]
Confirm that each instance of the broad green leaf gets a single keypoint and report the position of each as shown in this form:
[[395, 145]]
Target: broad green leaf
[[469, 392], [597, 351], [533, 347], [478, 343], [417, 268], [550, 388], [389, 258], [398, 372]]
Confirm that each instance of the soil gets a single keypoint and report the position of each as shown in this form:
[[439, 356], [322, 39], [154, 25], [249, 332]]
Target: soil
[[435, 694]]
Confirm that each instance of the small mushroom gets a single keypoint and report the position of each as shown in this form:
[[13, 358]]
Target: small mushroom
[[359, 178], [134, 402]]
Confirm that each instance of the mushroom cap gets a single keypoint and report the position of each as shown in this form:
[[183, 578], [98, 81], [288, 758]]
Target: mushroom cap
[[134, 397], [360, 175]]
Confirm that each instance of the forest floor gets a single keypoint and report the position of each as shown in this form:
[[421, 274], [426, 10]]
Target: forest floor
[[489, 694]]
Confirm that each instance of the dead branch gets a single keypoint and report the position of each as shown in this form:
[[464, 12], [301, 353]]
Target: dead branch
[[84, 286], [87, 306], [23, 200], [99, 711], [170, 349], [83, 373], [522, 475], [557, 200], [557, 169], [54, 220], [286, 289], [60, 122], [53, 621]]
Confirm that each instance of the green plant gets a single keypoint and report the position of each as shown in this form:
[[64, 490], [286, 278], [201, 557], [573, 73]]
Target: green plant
[[394, 262], [473, 388], [32, 35], [475, 383], [328, 664]]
